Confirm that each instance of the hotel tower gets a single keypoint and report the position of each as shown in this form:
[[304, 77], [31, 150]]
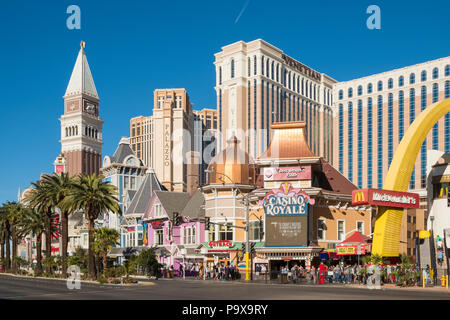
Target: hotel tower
[[257, 85], [81, 126]]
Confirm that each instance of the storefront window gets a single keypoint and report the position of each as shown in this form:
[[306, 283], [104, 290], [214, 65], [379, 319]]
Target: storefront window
[[226, 232], [440, 190]]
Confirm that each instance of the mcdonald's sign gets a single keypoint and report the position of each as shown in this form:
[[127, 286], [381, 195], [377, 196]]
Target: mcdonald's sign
[[385, 198]]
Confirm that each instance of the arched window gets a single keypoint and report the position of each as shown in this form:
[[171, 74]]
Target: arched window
[[267, 68], [262, 65], [350, 92], [412, 78], [315, 92], [423, 76], [400, 81], [67, 132], [278, 72], [90, 132], [435, 73], [220, 75], [96, 133], [254, 65], [380, 85], [76, 130], [303, 87], [289, 76], [435, 92], [341, 94], [306, 89], [369, 88], [85, 131], [273, 77], [390, 83], [359, 90], [310, 90], [447, 89], [447, 70], [232, 68]]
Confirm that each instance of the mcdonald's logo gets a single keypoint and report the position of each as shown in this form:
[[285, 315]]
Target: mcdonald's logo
[[360, 197]]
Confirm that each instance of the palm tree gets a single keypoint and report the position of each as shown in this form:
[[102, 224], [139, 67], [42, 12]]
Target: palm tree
[[33, 222], [40, 198], [58, 186], [14, 214], [6, 234], [105, 239], [94, 196]]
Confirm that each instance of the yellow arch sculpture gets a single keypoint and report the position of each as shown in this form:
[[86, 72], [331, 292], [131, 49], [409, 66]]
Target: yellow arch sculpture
[[386, 238]]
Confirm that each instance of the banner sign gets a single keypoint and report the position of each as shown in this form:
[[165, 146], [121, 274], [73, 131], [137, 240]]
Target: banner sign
[[385, 198], [287, 173], [157, 224], [220, 244], [351, 250], [286, 201]]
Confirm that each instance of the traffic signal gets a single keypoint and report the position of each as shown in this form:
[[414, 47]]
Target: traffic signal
[[207, 223], [243, 246], [252, 247], [177, 219]]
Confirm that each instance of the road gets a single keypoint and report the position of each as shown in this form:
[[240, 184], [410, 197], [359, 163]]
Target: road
[[14, 288]]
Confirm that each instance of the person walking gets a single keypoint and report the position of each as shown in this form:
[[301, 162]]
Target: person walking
[[313, 274], [294, 273]]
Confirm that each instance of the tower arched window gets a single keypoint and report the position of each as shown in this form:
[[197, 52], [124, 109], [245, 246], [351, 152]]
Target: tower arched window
[[303, 87], [272, 71], [254, 65], [341, 94], [369, 88], [447, 70], [400, 81], [380, 85], [310, 90], [359, 90], [67, 133], [85, 131], [423, 76], [262, 65], [390, 83], [412, 78], [278, 72], [350, 92], [76, 130], [267, 68], [90, 132], [220, 75], [435, 73]]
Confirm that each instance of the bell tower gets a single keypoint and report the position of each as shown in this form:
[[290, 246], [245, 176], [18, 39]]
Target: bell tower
[[81, 126]]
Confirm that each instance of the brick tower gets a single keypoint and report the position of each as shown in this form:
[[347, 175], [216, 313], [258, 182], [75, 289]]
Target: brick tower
[[81, 126]]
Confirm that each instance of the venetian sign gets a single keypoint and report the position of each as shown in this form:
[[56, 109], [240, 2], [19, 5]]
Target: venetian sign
[[287, 173], [286, 201], [386, 198]]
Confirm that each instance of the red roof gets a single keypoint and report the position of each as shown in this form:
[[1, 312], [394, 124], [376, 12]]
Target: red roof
[[357, 237]]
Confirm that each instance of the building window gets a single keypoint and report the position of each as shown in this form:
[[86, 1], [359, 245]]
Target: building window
[[390, 127], [178, 101], [390, 83], [220, 75], [158, 211], [412, 78], [401, 114], [226, 232], [189, 235], [254, 65], [400, 81], [380, 85], [159, 237], [369, 142], [435, 141], [435, 73], [321, 229], [232, 68], [262, 65], [341, 138], [350, 141], [359, 90], [125, 182], [341, 92], [212, 233], [423, 76], [341, 230], [412, 113], [360, 144], [380, 143], [423, 150], [369, 88], [350, 92], [447, 70], [360, 226], [160, 105], [255, 231], [447, 119]]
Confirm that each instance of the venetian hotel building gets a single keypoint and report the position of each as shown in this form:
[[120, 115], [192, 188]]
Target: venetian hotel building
[[372, 114], [257, 85]]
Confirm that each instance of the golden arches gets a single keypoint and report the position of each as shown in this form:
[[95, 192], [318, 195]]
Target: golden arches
[[386, 238]]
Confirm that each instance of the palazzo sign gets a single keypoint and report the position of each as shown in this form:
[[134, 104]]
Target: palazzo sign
[[286, 220], [166, 144], [386, 198]]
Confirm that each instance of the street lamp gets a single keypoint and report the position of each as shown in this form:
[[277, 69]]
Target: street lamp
[[247, 243]]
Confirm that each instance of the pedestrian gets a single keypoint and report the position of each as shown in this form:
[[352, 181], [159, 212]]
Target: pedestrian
[[440, 257], [313, 274], [294, 273], [322, 271]]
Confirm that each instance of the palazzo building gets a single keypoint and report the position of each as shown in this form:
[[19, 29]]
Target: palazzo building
[[257, 84], [81, 125]]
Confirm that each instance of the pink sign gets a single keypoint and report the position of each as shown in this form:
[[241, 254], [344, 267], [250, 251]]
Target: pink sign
[[287, 173], [59, 169]]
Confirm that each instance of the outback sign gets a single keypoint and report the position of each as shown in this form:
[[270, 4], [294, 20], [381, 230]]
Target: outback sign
[[286, 201]]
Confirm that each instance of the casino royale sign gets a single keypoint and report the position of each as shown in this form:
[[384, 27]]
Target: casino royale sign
[[286, 201]]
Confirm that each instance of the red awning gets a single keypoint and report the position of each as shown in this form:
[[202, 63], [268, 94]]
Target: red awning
[[356, 238]]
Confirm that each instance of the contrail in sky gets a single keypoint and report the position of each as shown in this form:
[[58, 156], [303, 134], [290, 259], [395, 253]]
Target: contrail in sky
[[242, 11]]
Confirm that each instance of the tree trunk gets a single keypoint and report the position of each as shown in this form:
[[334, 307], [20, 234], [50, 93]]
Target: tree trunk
[[105, 262], [91, 261], [65, 241], [48, 239], [14, 248], [8, 249], [39, 254], [2, 253]]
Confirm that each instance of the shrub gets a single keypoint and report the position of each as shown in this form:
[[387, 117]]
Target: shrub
[[129, 280], [102, 280]]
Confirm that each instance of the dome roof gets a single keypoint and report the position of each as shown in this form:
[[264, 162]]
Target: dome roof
[[232, 166]]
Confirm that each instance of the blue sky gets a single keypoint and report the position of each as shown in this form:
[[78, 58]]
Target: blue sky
[[136, 46]]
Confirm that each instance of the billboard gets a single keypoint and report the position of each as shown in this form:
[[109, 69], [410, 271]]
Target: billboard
[[286, 211], [287, 173], [385, 198]]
